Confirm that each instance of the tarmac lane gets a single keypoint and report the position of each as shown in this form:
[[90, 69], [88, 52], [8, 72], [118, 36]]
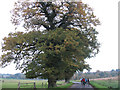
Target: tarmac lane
[[80, 86]]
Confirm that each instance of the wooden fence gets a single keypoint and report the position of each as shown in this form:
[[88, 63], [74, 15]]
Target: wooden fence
[[2, 81], [26, 84], [23, 85]]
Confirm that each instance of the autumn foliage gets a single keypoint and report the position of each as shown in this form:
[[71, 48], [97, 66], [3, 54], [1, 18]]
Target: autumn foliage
[[58, 39]]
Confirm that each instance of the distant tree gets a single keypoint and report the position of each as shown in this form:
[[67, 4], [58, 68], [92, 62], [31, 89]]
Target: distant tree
[[68, 32]]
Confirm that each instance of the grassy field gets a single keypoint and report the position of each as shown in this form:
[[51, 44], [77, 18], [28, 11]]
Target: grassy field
[[110, 83], [13, 83]]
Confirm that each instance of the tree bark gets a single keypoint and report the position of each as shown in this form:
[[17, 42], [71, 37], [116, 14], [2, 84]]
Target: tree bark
[[67, 80], [51, 83]]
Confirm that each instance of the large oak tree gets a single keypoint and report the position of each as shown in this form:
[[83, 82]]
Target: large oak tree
[[59, 37]]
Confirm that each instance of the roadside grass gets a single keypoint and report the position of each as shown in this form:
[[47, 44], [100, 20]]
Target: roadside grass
[[61, 87], [97, 85], [76, 80], [106, 84], [65, 86]]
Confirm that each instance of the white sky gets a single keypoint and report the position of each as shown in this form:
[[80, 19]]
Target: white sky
[[105, 10]]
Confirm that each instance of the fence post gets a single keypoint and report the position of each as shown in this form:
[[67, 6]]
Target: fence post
[[18, 85], [0, 84], [34, 85], [42, 84]]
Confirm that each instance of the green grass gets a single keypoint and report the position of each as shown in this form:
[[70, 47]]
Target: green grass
[[97, 85], [66, 85], [62, 87], [76, 80], [13, 83], [10, 83], [105, 83]]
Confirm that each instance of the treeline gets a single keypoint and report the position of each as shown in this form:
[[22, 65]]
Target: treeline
[[13, 76], [97, 74], [76, 76]]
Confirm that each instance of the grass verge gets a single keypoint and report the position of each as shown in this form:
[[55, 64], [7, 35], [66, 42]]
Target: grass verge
[[98, 86], [66, 85], [62, 87]]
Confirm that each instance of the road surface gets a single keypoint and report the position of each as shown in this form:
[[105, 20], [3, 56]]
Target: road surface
[[79, 86]]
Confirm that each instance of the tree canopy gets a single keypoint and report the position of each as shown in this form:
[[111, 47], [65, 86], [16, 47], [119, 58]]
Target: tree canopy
[[59, 37]]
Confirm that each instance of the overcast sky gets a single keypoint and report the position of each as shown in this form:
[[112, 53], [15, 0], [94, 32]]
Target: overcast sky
[[105, 10]]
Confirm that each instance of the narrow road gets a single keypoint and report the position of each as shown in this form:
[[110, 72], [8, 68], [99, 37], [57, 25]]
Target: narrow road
[[79, 86]]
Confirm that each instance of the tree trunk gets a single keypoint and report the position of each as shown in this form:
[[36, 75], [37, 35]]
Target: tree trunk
[[51, 83], [67, 80]]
